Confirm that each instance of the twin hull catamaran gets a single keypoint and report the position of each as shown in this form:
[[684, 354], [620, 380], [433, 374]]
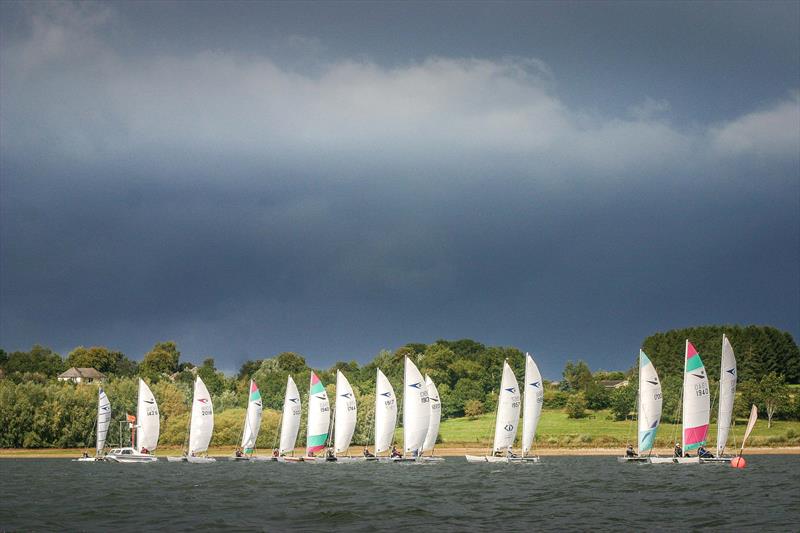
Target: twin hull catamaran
[[146, 431], [507, 419]]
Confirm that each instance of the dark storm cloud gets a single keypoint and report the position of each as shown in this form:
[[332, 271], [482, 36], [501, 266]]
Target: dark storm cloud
[[242, 207]]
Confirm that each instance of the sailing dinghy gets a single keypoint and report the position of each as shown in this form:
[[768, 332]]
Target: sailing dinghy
[[252, 423], [345, 416], [727, 393], [416, 413], [201, 427], [435, 418], [385, 415], [144, 433], [290, 422], [506, 421], [319, 419], [101, 423], [648, 413]]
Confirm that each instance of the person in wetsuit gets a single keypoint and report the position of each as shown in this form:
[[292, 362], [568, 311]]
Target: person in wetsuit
[[703, 453], [367, 452], [678, 450], [629, 451]]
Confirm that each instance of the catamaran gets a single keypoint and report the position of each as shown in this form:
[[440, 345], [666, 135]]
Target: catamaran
[[252, 423], [201, 427], [533, 400], [385, 415], [101, 424], [344, 420], [727, 393], [416, 413], [319, 419], [290, 422], [435, 406], [648, 413], [506, 421], [144, 433]]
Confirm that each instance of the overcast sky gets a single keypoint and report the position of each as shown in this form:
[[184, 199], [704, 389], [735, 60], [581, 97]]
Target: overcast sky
[[337, 178]]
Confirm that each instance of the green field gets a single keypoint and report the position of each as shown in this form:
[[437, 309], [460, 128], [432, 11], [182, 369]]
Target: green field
[[598, 430]]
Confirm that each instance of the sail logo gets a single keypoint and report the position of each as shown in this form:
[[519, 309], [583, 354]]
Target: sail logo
[[105, 407], [652, 382], [347, 395], [512, 390], [151, 402], [731, 371], [203, 400], [508, 427], [700, 375], [417, 385], [322, 396], [293, 400], [387, 394], [535, 384], [258, 404]]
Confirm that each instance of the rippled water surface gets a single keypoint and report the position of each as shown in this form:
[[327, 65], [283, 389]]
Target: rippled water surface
[[574, 493]]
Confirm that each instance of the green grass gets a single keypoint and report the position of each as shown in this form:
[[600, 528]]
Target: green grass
[[598, 430]]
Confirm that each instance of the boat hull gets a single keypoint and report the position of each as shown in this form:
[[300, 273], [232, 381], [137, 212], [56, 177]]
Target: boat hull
[[627, 459], [131, 458], [173, 459], [716, 460], [200, 460]]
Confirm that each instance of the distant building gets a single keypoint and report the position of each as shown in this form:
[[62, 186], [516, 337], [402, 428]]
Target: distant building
[[613, 383], [81, 375]]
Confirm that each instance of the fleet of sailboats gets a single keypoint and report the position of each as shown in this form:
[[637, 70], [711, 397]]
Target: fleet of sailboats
[[422, 416]]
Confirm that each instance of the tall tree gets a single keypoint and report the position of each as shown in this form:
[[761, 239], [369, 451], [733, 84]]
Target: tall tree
[[162, 359]]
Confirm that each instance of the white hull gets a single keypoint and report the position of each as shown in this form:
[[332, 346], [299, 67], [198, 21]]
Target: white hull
[[173, 459], [200, 460], [136, 458], [494, 459], [675, 460], [87, 460], [349, 460], [627, 459], [716, 459], [290, 459]]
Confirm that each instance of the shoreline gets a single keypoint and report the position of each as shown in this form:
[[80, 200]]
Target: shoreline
[[451, 451]]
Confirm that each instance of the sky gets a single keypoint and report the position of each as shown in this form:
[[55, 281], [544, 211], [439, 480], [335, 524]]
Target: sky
[[339, 178]]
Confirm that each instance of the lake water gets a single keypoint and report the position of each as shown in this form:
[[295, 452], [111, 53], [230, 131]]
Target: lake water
[[572, 493]]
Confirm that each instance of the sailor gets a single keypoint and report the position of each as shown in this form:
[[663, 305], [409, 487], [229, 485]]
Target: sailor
[[275, 453], [239, 452], [85, 455], [145, 451], [510, 452], [678, 450], [703, 453], [629, 451], [367, 452], [395, 452]]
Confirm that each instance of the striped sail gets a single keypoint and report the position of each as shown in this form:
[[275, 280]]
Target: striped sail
[[650, 400], [532, 403], [319, 416], [727, 393], [435, 415], [385, 413], [290, 422], [252, 420], [696, 400], [416, 412], [147, 419], [103, 420], [202, 425], [508, 404], [346, 413]]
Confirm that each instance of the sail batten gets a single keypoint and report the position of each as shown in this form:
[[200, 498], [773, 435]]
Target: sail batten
[[508, 406]]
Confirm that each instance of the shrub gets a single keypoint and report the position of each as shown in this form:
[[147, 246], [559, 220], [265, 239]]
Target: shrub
[[576, 406], [473, 408]]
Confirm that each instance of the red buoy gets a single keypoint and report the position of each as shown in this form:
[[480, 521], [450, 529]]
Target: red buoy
[[738, 462]]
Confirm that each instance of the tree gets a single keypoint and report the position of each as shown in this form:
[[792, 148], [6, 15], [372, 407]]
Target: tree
[[98, 357], [473, 408], [248, 368], [577, 376], [215, 382], [291, 362], [162, 359], [597, 396], [773, 393], [39, 359], [623, 402], [576, 406]]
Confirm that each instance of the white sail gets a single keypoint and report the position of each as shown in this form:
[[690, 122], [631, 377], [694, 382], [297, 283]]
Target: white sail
[[319, 416], [727, 393], [103, 420], [508, 405], [435, 415], [650, 400], [346, 411], [696, 400], [202, 425], [416, 412], [147, 419], [751, 423], [290, 424], [252, 420], [385, 413], [533, 400]]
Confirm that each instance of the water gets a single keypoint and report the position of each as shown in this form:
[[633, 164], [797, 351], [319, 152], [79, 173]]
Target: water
[[573, 493]]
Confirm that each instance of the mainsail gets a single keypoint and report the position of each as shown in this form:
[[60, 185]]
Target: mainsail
[[147, 419], [696, 400], [290, 423], [319, 416], [103, 420], [435, 415], [416, 412], [385, 413], [650, 400], [727, 393], [252, 420], [346, 411], [508, 405], [202, 419], [533, 399]]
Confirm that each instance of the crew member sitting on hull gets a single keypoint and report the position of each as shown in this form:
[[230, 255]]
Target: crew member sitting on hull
[[395, 452], [629, 451], [678, 450], [703, 453], [510, 452], [239, 452], [367, 452], [329, 455]]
